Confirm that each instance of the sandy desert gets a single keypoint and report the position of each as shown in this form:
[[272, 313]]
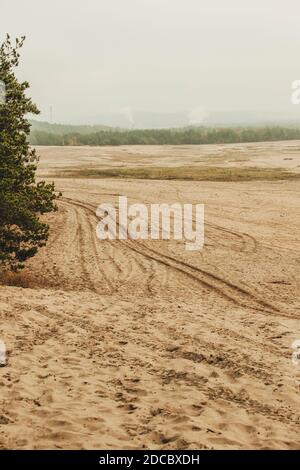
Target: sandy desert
[[143, 345]]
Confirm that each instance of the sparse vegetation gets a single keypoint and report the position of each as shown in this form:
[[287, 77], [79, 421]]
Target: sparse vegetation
[[192, 173]]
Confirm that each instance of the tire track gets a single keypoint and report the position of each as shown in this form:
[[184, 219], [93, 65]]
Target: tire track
[[238, 295]]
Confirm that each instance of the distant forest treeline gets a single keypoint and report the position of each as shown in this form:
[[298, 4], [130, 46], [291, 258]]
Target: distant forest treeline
[[92, 135], [60, 129]]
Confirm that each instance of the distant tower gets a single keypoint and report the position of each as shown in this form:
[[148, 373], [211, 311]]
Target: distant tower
[[51, 115]]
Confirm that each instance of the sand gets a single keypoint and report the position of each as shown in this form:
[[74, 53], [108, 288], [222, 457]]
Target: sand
[[285, 154], [143, 345]]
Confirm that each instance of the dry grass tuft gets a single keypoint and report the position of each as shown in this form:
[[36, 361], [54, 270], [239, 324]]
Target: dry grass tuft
[[20, 279]]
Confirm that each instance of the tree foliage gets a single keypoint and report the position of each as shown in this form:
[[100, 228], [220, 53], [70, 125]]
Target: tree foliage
[[22, 199], [51, 134]]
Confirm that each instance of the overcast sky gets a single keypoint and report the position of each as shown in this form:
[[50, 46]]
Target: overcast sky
[[90, 57]]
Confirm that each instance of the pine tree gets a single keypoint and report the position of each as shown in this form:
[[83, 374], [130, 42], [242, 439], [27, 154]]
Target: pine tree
[[22, 199]]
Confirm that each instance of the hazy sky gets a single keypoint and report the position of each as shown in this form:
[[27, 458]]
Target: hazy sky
[[86, 58]]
